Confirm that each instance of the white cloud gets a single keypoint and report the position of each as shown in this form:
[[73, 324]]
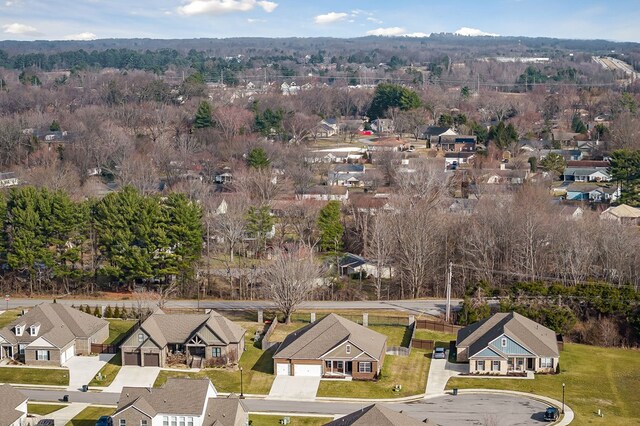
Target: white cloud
[[374, 20], [474, 32], [330, 18], [390, 31], [220, 7], [82, 36], [255, 21], [418, 35], [20, 29]]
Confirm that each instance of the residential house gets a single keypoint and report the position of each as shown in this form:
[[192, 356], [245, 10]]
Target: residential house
[[622, 214], [434, 134], [377, 415], [51, 334], [381, 125], [591, 192], [586, 174], [223, 176], [351, 264], [326, 193], [347, 175], [289, 89], [331, 347], [508, 342], [368, 203], [13, 406], [8, 179], [454, 160], [567, 154], [337, 155], [327, 128], [460, 143], [179, 402], [195, 339]]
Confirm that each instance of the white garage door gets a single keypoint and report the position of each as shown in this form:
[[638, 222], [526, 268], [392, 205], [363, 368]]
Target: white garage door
[[282, 369], [68, 354], [308, 370]]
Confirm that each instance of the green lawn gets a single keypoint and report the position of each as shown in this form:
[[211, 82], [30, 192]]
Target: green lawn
[[441, 339], [283, 330], [43, 409], [595, 378], [90, 415], [257, 371], [397, 335], [117, 330], [8, 316], [34, 376], [265, 420], [108, 372], [410, 372]]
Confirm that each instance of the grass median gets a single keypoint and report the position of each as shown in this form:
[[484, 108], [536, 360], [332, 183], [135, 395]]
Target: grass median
[[34, 376]]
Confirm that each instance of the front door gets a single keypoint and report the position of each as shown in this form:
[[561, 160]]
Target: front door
[[531, 363]]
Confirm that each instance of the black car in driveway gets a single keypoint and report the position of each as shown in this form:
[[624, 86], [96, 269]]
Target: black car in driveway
[[552, 414], [104, 421]]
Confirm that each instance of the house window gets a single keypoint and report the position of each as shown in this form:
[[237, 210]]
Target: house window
[[510, 363], [140, 337], [165, 421], [495, 365], [504, 342], [19, 330], [364, 367], [33, 330], [123, 422], [216, 352], [21, 349], [181, 421], [189, 421], [42, 355], [480, 365], [174, 421], [143, 423], [348, 349], [546, 362], [520, 363]]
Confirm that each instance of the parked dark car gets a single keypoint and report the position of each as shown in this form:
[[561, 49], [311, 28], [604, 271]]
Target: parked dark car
[[439, 353], [104, 421], [552, 414]]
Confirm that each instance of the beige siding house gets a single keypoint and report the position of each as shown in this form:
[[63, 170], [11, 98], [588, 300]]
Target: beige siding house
[[13, 407], [51, 334], [197, 339], [188, 402], [332, 347], [508, 343]]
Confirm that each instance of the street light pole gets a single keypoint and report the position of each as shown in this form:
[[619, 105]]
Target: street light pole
[[563, 398], [241, 387]]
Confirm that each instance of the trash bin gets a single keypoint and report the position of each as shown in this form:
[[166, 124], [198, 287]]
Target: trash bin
[[454, 391], [85, 388]]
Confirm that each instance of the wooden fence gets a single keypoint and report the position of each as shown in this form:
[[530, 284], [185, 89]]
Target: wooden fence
[[265, 343], [398, 350], [424, 324], [98, 348], [423, 344]]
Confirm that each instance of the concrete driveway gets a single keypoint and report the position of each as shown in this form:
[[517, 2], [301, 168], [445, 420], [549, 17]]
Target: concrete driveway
[[82, 369], [131, 375], [64, 415], [440, 371], [294, 388]]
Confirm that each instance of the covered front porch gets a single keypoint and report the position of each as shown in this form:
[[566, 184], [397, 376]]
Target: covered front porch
[[334, 368]]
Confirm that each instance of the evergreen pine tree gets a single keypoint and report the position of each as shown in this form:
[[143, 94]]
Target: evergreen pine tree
[[203, 116], [330, 227]]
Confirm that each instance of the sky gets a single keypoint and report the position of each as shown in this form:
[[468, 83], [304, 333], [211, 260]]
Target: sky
[[165, 19]]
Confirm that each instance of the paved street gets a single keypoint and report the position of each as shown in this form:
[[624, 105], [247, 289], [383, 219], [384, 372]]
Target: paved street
[[464, 409]]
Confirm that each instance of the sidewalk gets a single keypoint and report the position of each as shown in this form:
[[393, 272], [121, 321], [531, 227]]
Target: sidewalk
[[64, 415]]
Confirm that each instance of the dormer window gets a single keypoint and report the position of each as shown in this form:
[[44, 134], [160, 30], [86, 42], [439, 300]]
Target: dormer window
[[504, 342], [19, 330], [348, 349], [140, 337], [34, 329]]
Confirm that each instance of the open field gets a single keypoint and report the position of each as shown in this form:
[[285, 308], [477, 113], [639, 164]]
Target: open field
[[34, 376], [595, 378], [265, 420], [9, 316]]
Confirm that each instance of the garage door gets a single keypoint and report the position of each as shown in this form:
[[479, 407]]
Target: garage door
[[68, 354], [282, 369], [131, 358], [307, 370], [151, 360]]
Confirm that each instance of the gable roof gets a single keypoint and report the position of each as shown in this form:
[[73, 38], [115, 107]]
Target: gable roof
[[223, 411], [178, 328], [11, 399], [58, 324], [537, 338], [377, 415], [318, 338], [176, 396], [623, 211]]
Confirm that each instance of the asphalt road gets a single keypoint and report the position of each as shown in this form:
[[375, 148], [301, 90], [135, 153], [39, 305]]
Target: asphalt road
[[430, 306], [467, 409]]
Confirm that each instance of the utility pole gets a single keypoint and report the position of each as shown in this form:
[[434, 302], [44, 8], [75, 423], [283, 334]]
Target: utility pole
[[449, 274]]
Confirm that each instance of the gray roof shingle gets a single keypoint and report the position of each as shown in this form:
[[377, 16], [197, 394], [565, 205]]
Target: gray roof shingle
[[10, 400], [377, 415]]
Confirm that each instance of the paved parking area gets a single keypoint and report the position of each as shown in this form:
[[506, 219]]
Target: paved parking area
[[134, 376], [82, 369], [294, 388]]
